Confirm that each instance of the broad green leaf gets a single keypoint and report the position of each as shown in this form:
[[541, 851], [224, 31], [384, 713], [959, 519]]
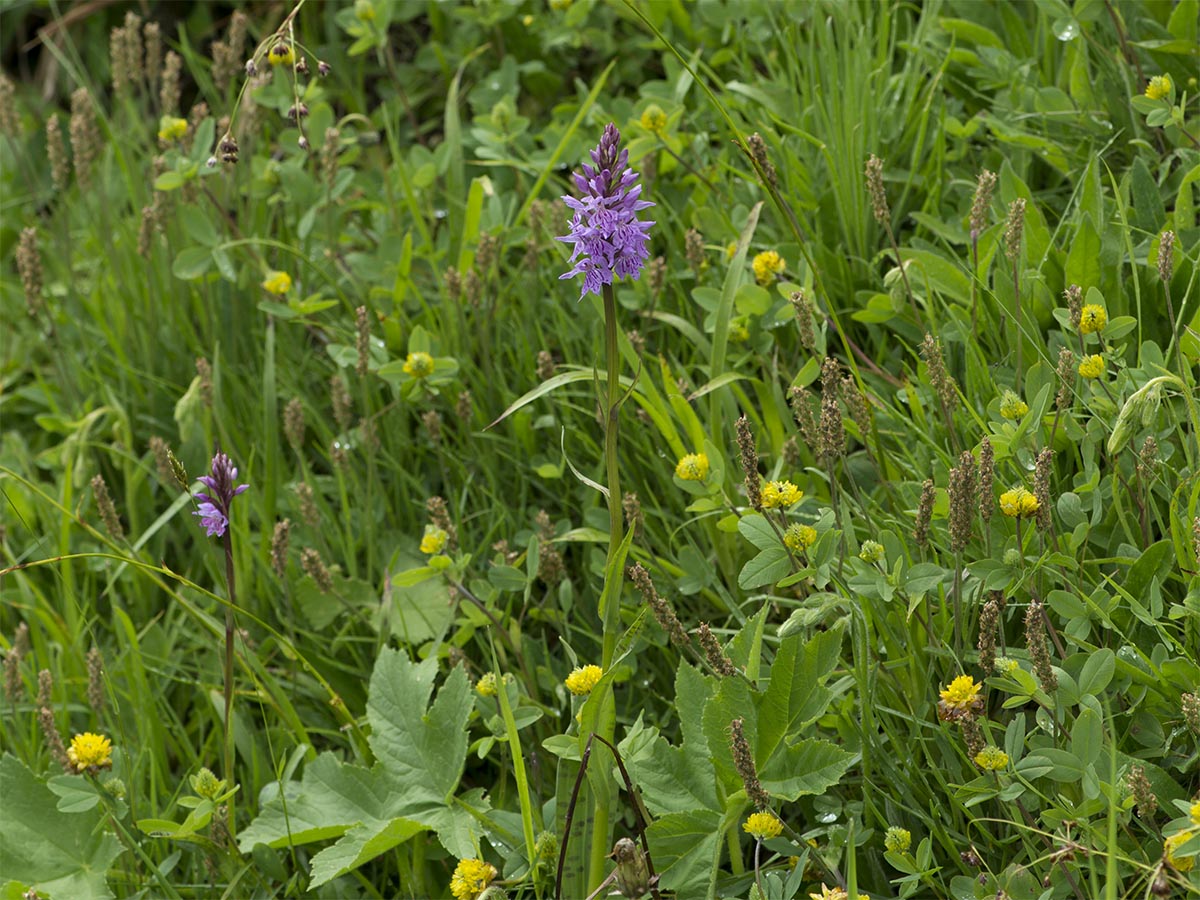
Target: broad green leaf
[[1097, 672], [421, 747], [65, 856], [684, 846], [1083, 259], [191, 262], [678, 779], [1087, 737], [806, 767], [766, 568], [758, 531], [361, 844], [420, 750], [796, 694]]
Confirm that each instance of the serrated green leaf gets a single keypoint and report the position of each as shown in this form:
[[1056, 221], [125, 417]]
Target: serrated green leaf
[[806, 767], [361, 844], [421, 749], [796, 694], [678, 779], [683, 846], [62, 855]]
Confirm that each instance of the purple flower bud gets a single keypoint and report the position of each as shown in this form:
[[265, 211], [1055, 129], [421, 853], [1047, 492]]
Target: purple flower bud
[[323, 68], [609, 240], [214, 506]]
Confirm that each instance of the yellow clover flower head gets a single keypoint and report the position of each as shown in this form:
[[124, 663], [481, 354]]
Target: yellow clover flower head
[[434, 540], [780, 494], [90, 752], [418, 364], [486, 685], [991, 759], [277, 283], [171, 129], [281, 54], [897, 839], [654, 119], [1092, 366], [471, 878], [1173, 843], [581, 680], [693, 467], [767, 265], [799, 538], [1018, 502], [959, 698], [1012, 406], [1092, 318], [834, 893], [762, 826], [1159, 87], [871, 551]]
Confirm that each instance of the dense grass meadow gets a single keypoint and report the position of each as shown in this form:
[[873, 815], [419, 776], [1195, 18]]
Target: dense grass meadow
[[831, 531]]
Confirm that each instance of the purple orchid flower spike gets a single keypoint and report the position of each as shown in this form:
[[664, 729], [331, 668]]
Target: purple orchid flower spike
[[609, 240], [214, 506]]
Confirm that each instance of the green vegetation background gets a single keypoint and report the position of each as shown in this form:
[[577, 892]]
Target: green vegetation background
[[438, 144]]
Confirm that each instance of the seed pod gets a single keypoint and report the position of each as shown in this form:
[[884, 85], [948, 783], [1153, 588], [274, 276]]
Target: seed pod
[[633, 874]]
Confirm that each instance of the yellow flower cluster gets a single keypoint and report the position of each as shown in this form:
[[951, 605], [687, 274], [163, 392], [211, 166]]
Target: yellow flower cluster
[[693, 467], [171, 129], [799, 538], [762, 826], [581, 680], [1018, 502], [434, 540], [654, 119], [1173, 843], [89, 751], [961, 694], [1159, 87], [834, 893], [1092, 318], [780, 495], [767, 265], [486, 685], [991, 759], [277, 283], [1092, 366], [418, 365], [1012, 406], [471, 878]]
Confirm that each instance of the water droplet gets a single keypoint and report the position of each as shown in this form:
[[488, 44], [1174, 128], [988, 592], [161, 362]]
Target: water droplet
[[1066, 29], [827, 818]]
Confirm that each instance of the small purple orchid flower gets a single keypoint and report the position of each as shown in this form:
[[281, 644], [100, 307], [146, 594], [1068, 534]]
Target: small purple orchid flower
[[605, 229], [214, 506]]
